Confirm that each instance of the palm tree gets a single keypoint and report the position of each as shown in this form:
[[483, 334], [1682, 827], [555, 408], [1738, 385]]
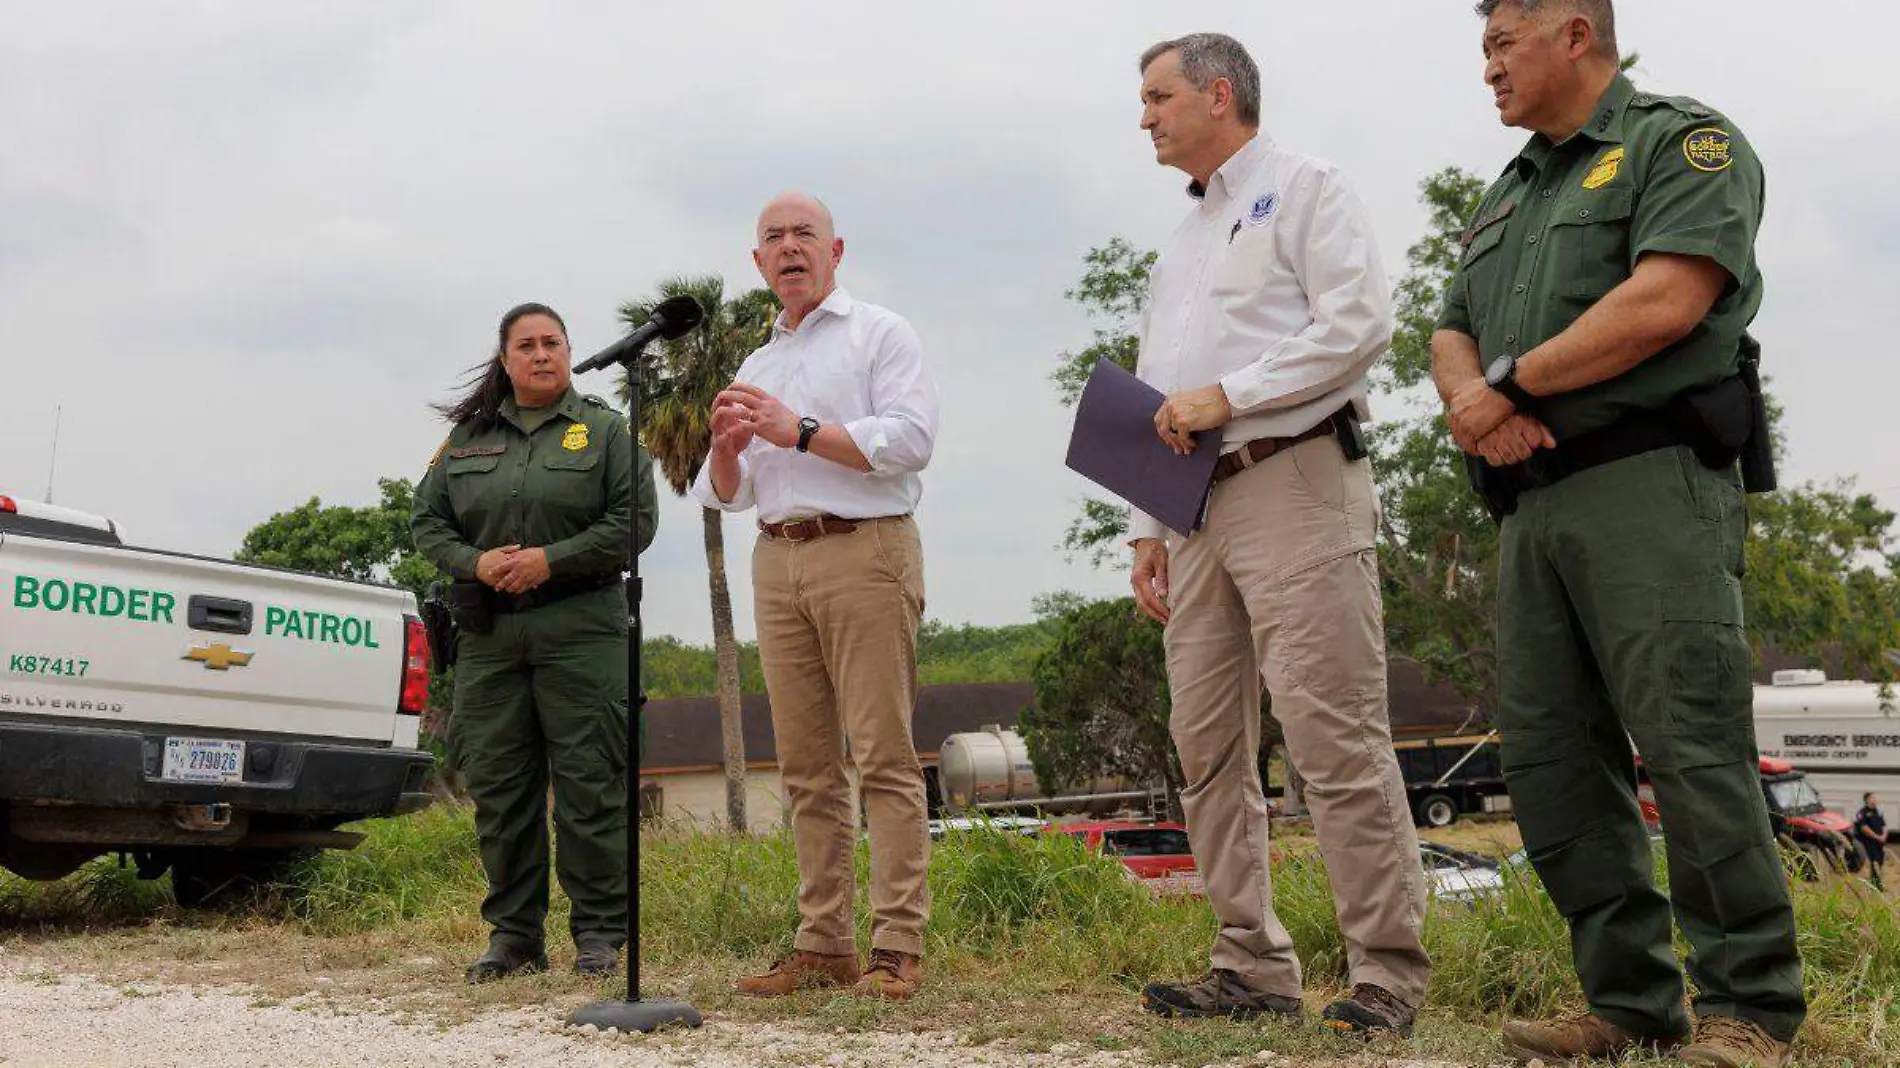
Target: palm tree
[[680, 379]]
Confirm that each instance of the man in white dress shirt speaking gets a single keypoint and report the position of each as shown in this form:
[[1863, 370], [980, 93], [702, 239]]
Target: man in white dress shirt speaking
[[825, 431], [1264, 313]]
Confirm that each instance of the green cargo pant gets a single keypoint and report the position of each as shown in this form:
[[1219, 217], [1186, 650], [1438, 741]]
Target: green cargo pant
[[547, 692], [1620, 618]]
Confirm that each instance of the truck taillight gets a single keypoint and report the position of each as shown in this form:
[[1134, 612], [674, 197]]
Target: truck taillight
[[7, 505], [415, 667]]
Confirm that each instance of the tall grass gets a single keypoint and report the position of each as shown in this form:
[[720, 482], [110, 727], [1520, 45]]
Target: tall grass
[[1012, 917]]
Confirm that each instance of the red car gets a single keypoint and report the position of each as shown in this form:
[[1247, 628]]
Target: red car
[[1155, 854]]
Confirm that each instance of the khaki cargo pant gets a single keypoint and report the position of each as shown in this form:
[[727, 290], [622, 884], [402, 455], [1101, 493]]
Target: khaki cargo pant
[[1281, 582], [837, 618]]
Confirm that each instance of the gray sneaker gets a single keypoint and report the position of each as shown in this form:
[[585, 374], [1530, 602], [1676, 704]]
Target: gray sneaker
[[1219, 993]]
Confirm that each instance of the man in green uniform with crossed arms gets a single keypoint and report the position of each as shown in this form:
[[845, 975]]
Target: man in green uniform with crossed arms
[[527, 506], [1590, 357]]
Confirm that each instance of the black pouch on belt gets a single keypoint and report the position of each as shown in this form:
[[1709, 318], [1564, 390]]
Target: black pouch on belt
[[472, 606], [438, 622]]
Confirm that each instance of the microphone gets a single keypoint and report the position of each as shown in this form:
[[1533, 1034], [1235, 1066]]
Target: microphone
[[675, 317]]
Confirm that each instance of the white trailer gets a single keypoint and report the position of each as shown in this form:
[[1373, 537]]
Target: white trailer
[[1844, 735]]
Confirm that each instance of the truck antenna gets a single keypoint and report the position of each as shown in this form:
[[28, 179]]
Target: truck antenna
[[52, 466]]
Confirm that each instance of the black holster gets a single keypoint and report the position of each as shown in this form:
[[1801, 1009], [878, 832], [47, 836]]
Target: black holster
[[1758, 452], [1495, 488], [438, 623], [1728, 422], [472, 607]]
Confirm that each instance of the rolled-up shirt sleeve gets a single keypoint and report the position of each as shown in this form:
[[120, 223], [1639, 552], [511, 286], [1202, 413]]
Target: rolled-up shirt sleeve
[[900, 434], [1336, 259], [1142, 525], [742, 498]]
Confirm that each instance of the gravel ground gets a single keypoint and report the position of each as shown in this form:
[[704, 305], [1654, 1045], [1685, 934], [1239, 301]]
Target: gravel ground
[[49, 1019]]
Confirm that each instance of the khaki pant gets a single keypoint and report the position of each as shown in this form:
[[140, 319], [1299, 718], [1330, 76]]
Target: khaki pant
[[837, 619], [1282, 582]]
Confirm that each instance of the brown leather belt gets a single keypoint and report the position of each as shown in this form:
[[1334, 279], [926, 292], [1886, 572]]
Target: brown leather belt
[[1259, 449], [797, 530]]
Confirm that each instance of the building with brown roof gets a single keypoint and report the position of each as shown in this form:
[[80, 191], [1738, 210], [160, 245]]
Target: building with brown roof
[[682, 770]]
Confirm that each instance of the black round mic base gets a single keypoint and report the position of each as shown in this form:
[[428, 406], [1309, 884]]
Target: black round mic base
[[646, 1015]]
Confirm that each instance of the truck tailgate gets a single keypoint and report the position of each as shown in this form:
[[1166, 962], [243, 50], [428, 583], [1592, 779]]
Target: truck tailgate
[[113, 635]]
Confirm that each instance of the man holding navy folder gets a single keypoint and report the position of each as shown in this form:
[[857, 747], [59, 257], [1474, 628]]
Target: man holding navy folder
[[1265, 312]]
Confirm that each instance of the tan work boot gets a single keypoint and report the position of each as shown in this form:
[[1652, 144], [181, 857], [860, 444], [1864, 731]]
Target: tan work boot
[[802, 970], [1583, 1034], [891, 975], [1726, 1042]]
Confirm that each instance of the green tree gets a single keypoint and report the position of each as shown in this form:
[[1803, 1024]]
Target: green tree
[[1114, 288], [1102, 701], [368, 544], [1438, 548], [1821, 578], [679, 380]]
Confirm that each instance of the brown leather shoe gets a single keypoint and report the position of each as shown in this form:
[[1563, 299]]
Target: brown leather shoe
[[1583, 1034], [1725, 1042], [802, 970], [891, 975]]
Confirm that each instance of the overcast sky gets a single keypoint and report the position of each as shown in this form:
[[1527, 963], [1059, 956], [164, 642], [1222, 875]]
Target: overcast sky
[[245, 245]]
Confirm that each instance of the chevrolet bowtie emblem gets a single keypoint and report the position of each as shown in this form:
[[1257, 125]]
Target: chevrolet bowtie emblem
[[218, 656]]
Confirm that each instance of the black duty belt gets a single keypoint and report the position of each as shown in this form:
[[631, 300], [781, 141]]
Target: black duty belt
[[1635, 433], [549, 592]]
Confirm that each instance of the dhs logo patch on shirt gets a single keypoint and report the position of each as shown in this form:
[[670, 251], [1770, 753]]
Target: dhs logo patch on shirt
[[1263, 209]]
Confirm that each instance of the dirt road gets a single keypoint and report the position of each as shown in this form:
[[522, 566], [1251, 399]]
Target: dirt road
[[52, 1016]]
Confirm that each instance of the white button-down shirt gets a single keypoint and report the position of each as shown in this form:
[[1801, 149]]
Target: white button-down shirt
[[1272, 287], [848, 363]]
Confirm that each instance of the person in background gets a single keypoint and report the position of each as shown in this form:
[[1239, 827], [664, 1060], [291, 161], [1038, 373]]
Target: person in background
[[1871, 828]]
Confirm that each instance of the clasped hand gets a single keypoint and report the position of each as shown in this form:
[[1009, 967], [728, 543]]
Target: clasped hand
[[1485, 422], [512, 569]]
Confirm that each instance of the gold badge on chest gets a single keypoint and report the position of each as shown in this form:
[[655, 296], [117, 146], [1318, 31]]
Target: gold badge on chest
[[576, 438], [1605, 170]]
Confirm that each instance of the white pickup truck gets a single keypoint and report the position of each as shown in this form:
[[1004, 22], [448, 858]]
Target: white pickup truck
[[204, 717]]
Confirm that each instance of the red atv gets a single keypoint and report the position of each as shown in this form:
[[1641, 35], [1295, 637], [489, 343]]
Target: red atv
[[1822, 839]]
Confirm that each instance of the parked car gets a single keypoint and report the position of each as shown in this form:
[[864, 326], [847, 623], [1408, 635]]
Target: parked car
[[1458, 875], [1018, 824], [1155, 854]]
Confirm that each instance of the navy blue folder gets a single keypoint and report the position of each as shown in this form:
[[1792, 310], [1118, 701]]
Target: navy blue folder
[[1114, 445]]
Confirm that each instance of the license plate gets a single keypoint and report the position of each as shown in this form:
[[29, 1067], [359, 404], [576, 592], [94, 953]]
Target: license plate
[[203, 760]]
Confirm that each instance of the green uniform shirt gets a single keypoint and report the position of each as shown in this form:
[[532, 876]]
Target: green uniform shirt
[[1564, 224], [564, 486]]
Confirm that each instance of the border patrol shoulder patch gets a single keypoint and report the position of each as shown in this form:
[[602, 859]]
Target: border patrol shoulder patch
[[1708, 149]]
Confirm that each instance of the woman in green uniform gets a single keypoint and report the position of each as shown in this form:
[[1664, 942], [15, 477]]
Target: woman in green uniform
[[527, 506]]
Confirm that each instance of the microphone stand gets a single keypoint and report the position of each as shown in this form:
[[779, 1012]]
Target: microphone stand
[[635, 1013]]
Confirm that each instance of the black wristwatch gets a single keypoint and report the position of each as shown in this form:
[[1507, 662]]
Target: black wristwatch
[[1502, 376], [806, 428]]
